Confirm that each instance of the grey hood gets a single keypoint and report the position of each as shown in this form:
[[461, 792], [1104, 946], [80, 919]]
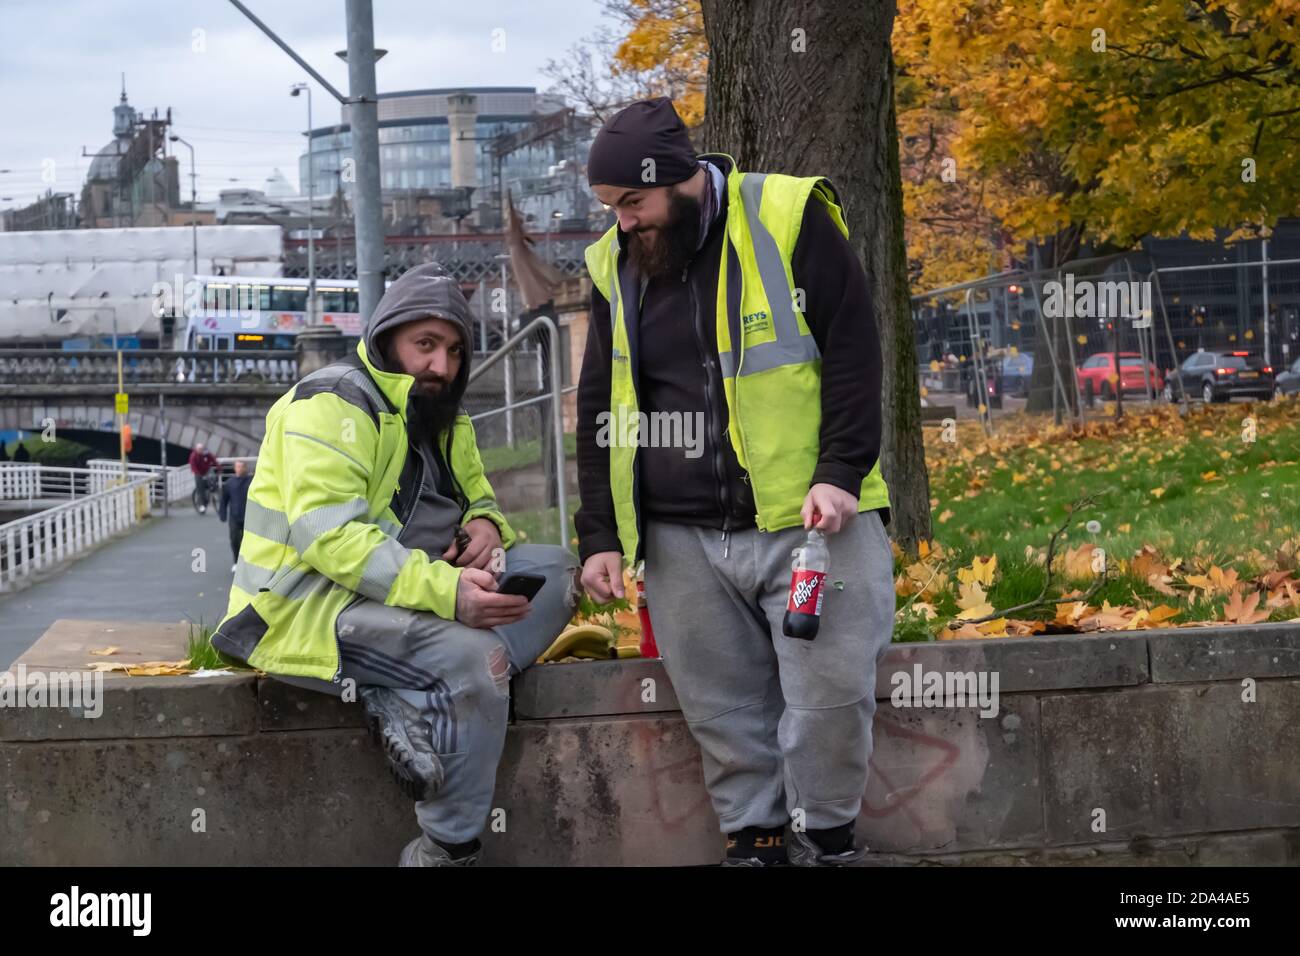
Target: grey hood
[[424, 292]]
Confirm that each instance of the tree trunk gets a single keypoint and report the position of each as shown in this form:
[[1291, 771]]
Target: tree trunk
[[806, 87]]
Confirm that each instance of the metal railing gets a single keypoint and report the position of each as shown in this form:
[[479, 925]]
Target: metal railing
[[176, 480], [45, 539], [540, 325], [34, 482]]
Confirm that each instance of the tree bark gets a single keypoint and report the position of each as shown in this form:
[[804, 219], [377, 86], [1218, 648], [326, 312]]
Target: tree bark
[[806, 87]]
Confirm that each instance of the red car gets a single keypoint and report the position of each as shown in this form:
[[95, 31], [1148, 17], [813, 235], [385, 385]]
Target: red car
[[1097, 375]]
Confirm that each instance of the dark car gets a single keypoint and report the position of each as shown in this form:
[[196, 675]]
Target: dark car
[[1219, 376], [1288, 382]]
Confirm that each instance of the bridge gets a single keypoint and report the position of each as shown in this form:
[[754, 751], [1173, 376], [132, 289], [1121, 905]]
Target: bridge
[[180, 398]]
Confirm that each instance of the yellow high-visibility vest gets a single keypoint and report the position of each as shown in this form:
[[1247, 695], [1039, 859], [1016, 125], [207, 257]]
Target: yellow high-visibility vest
[[770, 363]]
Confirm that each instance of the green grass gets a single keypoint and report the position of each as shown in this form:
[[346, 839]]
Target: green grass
[[200, 652], [1220, 520], [1149, 484], [541, 525], [522, 454]]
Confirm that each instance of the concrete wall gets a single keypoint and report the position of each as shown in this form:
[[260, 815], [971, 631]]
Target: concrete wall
[[1149, 728]]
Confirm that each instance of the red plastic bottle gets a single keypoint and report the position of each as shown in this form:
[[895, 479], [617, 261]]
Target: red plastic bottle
[[648, 647], [804, 607]]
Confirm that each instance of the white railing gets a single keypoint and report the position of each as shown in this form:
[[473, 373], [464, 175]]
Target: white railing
[[28, 481], [56, 534], [180, 480]]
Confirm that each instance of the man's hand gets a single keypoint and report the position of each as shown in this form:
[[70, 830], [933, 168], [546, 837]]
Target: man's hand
[[484, 539], [478, 604], [602, 576], [837, 508]]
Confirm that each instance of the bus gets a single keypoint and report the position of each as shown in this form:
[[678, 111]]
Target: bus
[[262, 313]]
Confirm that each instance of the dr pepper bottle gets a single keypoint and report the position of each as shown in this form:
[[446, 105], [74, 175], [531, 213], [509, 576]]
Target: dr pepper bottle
[[804, 607]]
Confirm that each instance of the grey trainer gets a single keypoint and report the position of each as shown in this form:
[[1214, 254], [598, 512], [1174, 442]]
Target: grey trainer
[[424, 852], [804, 851], [406, 740]]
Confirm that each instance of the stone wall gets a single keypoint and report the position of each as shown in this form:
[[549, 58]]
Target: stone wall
[[1181, 743]]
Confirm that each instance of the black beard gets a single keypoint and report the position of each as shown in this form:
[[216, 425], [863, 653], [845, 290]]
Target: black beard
[[675, 245], [428, 416]]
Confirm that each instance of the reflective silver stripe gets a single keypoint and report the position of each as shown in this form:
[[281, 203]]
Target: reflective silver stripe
[[266, 522], [360, 377], [316, 522], [252, 577], [322, 441], [617, 293], [293, 585], [390, 528], [728, 362], [382, 569], [790, 347], [483, 503]]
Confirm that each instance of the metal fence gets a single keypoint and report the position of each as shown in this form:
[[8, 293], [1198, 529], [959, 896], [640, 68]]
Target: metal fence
[[1096, 331], [516, 401]]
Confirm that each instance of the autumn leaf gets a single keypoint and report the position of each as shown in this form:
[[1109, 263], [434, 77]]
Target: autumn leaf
[[972, 601], [980, 571], [104, 651], [1242, 611], [1069, 613], [1215, 581]]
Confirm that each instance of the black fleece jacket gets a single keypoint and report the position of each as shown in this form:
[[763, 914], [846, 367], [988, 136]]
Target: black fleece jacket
[[678, 371]]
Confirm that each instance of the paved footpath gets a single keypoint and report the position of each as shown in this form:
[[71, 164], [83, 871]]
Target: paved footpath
[[144, 575]]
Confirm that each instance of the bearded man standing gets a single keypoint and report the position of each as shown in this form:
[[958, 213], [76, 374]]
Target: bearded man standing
[[735, 299]]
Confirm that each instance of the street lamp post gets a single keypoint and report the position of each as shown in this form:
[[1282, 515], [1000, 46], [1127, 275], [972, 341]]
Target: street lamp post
[[311, 210], [194, 200]]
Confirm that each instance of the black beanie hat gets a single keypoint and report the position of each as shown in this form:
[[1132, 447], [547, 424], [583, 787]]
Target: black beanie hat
[[649, 129]]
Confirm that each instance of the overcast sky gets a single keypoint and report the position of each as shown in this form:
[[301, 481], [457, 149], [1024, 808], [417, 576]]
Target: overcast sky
[[228, 87]]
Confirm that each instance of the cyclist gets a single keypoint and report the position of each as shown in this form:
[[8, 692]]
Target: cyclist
[[203, 463]]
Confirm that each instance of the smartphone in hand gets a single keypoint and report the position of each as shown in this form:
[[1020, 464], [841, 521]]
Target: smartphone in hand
[[521, 583]]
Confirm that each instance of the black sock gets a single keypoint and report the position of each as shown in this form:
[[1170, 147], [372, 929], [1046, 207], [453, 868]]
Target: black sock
[[459, 851], [766, 843], [835, 839]]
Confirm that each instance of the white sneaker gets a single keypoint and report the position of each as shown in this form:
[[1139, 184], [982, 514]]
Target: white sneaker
[[233, 566], [203, 509]]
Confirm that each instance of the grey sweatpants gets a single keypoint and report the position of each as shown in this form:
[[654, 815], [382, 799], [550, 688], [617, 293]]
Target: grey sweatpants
[[458, 677], [783, 725]]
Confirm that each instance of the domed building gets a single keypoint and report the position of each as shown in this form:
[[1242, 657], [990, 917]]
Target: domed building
[[132, 181]]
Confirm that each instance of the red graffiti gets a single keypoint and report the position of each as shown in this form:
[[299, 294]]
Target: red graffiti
[[948, 752]]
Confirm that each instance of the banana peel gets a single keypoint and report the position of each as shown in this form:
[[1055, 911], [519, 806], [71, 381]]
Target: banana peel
[[585, 641]]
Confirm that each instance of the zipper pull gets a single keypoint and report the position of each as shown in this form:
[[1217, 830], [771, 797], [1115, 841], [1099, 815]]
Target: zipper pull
[[726, 543]]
